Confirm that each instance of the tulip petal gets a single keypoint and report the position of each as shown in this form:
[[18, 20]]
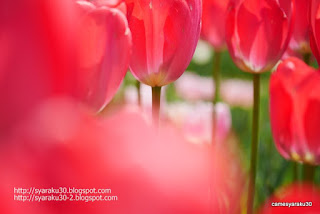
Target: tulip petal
[[281, 109], [213, 29], [105, 44]]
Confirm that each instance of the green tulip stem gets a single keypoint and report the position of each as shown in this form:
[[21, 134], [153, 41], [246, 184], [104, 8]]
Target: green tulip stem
[[156, 94], [295, 171], [307, 58], [138, 86], [255, 141], [309, 172], [216, 80]]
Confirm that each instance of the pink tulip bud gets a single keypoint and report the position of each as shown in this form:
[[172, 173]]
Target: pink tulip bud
[[295, 111], [165, 34], [258, 32], [214, 13]]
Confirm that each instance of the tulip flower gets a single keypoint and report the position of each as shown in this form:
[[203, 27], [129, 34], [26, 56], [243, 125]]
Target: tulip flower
[[45, 55], [293, 199], [164, 34], [60, 145], [314, 28], [214, 13], [300, 36], [295, 111], [37, 58], [257, 34], [105, 45]]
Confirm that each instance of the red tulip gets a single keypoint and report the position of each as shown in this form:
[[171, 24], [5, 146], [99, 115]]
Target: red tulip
[[315, 28], [165, 34], [302, 198], [105, 45], [300, 37], [258, 32], [295, 111], [213, 24]]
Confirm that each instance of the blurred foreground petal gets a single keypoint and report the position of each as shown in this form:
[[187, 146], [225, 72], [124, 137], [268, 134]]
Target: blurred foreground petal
[[60, 145]]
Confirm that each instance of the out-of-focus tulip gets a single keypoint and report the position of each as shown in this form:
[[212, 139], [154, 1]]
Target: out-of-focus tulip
[[214, 14], [291, 53], [258, 32], [51, 50], [193, 87], [60, 146], [165, 34], [315, 28], [295, 111], [228, 187], [5, 44], [299, 45], [105, 46], [294, 199], [300, 36], [37, 59], [237, 92], [83, 154], [194, 120], [234, 92]]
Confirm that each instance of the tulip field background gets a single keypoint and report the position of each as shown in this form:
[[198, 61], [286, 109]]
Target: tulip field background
[[274, 171]]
